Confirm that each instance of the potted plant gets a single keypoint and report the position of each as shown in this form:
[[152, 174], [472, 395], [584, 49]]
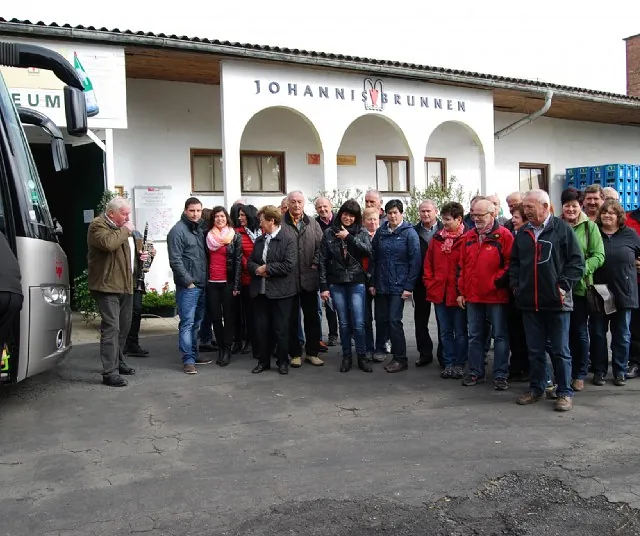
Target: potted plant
[[162, 304]]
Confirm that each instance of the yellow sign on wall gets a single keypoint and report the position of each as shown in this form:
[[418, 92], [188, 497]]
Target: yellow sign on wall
[[346, 160]]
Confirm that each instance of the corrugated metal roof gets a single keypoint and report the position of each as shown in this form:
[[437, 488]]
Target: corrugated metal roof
[[289, 55]]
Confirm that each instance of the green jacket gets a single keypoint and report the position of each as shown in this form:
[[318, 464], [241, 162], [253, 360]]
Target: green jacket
[[590, 240]]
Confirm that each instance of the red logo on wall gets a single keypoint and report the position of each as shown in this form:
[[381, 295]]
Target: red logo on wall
[[373, 95], [59, 268]]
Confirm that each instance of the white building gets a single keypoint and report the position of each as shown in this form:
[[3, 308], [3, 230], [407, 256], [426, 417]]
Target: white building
[[171, 108]]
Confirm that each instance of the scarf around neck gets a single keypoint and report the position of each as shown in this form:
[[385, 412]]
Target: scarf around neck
[[449, 237], [217, 238], [253, 234]]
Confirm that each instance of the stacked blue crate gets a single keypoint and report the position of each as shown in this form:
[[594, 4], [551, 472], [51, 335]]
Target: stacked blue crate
[[624, 178]]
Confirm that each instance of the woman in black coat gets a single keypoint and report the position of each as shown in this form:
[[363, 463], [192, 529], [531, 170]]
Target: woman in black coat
[[345, 246], [621, 249], [273, 288]]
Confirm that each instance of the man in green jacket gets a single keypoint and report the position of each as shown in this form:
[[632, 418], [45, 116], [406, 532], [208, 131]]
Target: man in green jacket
[[110, 281]]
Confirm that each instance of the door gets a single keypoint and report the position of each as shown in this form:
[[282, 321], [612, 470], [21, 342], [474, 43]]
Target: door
[[69, 193]]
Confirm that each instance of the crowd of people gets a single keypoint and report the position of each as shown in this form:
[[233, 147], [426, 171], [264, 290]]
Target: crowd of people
[[543, 290]]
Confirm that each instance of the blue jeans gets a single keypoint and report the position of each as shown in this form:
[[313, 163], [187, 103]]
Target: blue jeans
[[618, 323], [579, 338], [477, 314], [389, 312], [349, 300], [190, 303], [548, 330], [452, 323]]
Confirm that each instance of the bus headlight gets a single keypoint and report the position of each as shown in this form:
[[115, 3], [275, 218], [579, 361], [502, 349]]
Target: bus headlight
[[55, 295]]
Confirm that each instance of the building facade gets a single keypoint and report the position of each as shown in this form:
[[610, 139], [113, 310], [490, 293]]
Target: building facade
[[228, 128]]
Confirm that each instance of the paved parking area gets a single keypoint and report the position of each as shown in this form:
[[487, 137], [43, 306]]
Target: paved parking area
[[313, 453]]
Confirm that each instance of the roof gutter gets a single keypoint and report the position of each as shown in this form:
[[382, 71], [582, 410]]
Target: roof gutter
[[528, 119], [249, 52]]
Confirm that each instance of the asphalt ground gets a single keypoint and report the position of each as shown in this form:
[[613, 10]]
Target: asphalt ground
[[316, 452]]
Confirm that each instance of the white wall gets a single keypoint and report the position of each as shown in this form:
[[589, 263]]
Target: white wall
[[167, 119], [561, 144]]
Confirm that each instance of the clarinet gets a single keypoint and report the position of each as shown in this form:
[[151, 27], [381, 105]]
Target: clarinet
[[143, 246]]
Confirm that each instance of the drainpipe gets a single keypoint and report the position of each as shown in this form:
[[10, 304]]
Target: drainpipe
[[528, 119]]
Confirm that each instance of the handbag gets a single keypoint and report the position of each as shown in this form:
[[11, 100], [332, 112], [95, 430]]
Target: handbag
[[600, 300]]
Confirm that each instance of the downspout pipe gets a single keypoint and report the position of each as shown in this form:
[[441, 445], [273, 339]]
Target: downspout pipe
[[528, 119]]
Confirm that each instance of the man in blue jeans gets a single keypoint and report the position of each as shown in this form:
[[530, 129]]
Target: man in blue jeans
[[188, 261], [483, 289], [546, 262]]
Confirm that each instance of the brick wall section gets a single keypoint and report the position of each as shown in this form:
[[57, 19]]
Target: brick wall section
[[633, 66]]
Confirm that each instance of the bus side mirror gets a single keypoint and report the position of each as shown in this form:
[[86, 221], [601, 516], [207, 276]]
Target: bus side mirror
[[59, 152], [75, 108]]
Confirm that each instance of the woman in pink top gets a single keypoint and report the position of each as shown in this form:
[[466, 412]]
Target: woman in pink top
[[225, 267]]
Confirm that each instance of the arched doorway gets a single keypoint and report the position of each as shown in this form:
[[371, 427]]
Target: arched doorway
[[454, 152], [280, 151], [374, 154]]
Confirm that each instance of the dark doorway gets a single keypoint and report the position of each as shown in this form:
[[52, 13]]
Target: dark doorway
[[71, 192]]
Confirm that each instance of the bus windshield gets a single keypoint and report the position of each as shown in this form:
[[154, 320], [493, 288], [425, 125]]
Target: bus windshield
[[28, 188]]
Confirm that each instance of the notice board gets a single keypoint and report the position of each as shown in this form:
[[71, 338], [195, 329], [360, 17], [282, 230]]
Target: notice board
[[153, 204]]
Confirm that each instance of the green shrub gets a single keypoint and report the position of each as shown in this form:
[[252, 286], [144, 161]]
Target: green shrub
[[454, 191], [83, 302], [338, 197], [154, 299]]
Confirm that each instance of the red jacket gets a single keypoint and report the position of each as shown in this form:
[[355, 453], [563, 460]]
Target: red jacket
[[247, 250], [483, 269], [440, 271]]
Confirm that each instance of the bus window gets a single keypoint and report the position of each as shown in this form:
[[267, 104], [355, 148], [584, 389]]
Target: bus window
[[30, 188]]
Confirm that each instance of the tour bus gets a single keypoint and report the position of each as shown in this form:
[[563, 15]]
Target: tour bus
[[44, 334]]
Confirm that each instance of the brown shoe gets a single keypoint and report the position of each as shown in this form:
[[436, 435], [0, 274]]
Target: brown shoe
[[564, 403], [528, 398], [578, 385], [396, 366], [190, 369]]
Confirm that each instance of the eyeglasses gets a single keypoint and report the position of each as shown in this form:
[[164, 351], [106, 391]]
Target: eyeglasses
[[475, 216]]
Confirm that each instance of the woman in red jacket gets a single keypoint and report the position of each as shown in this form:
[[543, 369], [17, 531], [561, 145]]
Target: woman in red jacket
[[440, 266], [248, 227]]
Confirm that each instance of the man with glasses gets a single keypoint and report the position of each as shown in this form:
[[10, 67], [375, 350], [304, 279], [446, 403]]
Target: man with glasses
[[483, 290]]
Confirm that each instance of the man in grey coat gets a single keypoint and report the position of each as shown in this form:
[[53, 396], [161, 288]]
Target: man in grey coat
[[308, 236], [188, 261]]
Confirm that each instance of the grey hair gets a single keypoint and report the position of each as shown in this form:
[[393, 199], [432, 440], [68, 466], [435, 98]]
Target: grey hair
[[539, 195], [429, 202], [296, 192], [116, 204], [514, 194], [376, 192], [322, 198]]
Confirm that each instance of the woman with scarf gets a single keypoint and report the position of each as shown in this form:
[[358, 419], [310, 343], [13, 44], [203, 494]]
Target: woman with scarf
[[440, 266], [225, 260], [344, 247], [248, 227]]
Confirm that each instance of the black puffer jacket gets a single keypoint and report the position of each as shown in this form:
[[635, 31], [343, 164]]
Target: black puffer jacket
[[619, 269], [338, 268], [234, 260]]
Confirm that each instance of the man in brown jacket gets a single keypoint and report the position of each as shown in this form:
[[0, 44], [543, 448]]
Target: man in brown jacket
[[110, 281]]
